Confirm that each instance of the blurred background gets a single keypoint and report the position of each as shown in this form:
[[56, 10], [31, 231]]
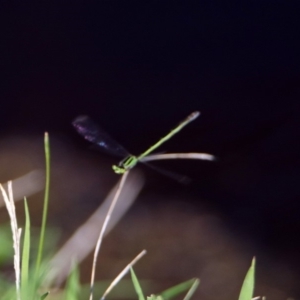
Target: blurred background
[[138, 68]]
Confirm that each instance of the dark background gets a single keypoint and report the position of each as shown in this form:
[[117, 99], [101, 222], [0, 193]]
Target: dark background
[[139, 67]]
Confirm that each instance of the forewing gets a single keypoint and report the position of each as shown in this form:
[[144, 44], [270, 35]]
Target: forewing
[[175, 176], [87, 128]]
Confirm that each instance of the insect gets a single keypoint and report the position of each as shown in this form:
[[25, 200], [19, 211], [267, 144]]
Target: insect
[[87, 128]]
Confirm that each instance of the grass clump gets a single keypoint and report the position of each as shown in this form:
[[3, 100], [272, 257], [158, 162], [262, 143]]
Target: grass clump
[[34, 278]]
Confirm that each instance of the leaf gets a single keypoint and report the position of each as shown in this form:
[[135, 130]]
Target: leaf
[[247, 289], [26, 250], [44, 296], [180, 288], [137, 285], [73, 284]]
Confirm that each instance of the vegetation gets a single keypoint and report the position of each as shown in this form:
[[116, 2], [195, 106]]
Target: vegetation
[[33, 278]]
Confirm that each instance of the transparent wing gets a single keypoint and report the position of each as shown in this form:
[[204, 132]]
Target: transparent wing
[[87, 128], [175, 176]]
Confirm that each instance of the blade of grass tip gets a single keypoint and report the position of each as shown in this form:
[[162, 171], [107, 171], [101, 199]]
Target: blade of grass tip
[[101, 235], [247, 289], [44, 296], [73, 284], [192, 290], [179, 288], [137, 286], [46, 202], [123, 273], [26, 251]]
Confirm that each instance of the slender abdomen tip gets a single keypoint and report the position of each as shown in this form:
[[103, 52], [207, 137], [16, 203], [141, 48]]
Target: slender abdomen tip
[[194, 115]]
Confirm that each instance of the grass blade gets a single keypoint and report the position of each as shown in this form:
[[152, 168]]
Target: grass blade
[[46, 202], [44, 296], [16, 232], [26, 251], [248, 284], [180, 288], [192, 289], [123, 273], [73, 284], [137, 285], [103, 229]]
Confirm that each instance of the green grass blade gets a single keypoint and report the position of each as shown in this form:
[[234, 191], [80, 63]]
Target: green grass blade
[[192, 289], [44, 296], [46, 201], [73, 284], [26, 251], [137, 285], [179, 288], [248, 284]]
